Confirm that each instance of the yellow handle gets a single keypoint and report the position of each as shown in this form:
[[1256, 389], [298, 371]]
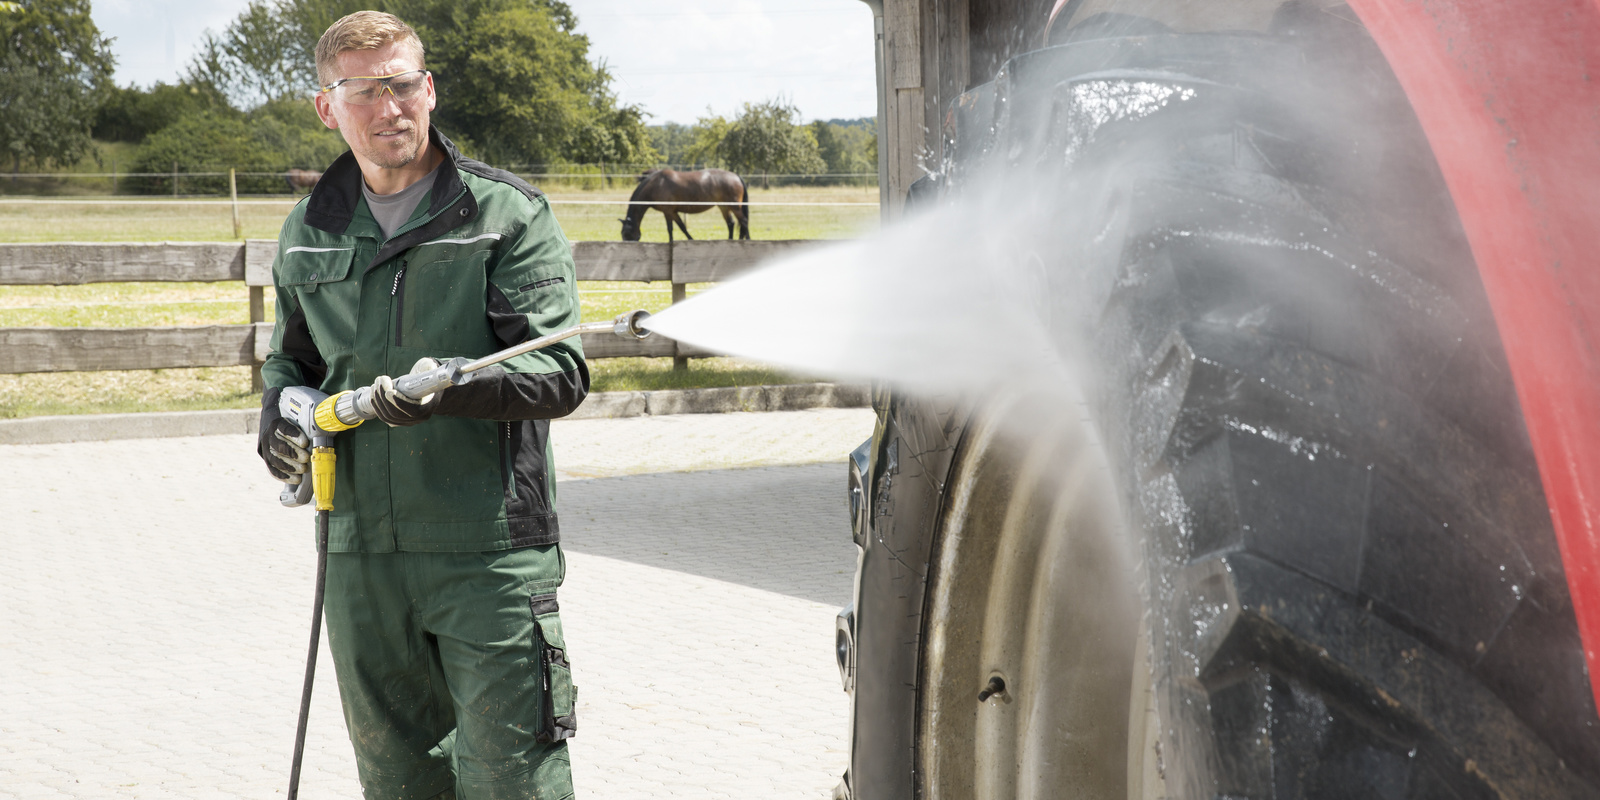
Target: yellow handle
[[327, 419], [322, 460]]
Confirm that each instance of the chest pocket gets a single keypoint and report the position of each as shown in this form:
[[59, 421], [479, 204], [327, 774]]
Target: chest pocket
[[319, 279], [443, 305]]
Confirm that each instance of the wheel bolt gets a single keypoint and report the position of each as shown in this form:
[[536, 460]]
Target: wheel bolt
[[996, 685]]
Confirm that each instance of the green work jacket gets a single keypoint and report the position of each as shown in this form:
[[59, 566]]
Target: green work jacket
[[481, 265]]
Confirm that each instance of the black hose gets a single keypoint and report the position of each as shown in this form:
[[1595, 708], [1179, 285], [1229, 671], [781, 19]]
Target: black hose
[[311, 654]]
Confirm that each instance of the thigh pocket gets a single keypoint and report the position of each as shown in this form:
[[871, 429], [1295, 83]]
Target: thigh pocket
[[558, 697]]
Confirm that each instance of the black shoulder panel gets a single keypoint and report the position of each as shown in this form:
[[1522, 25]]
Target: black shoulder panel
[[483, 170]]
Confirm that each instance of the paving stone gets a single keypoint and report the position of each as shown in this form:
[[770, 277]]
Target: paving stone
[[154, 602]]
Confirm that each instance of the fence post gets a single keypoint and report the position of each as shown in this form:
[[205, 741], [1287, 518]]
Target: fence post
[[233, 194], [174, 180], [680, 291], [258, 313], [113, 174]]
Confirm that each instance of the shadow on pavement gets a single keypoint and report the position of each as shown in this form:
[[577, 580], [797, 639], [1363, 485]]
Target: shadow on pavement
[[781, 529]]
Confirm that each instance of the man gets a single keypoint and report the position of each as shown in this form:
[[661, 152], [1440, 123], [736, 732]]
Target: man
[[443, 562]]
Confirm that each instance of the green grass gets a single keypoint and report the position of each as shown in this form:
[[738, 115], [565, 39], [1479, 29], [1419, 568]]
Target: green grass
[[118, 392], [584, 216], [146, 304]]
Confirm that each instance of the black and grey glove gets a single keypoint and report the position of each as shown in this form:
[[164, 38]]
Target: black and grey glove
[[397, 409], [281, 443]]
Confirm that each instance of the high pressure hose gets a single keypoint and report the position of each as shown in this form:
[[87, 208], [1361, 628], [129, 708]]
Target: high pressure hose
[[311, 654]]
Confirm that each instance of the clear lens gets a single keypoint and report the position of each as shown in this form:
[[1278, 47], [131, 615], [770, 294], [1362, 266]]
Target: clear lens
[[366, 91]]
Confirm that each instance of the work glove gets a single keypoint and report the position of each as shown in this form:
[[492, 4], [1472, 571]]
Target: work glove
[[281, 443], [397, 409]]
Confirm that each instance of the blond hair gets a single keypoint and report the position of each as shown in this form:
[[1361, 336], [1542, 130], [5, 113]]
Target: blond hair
[[363, 30]]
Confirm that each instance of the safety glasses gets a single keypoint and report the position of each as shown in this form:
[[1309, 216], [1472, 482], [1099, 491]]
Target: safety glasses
[[364, 91]]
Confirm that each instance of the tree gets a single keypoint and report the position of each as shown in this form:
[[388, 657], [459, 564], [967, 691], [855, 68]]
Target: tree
[[672, 140], [262, 55], [705, 141], [765, 139], [54, 66], [514, 76], [131, 114], [847, 148]]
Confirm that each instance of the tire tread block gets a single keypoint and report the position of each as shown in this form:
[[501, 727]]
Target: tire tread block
[[1386, 688]]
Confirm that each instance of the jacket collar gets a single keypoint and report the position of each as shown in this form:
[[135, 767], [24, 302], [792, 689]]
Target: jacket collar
[[334, 201]]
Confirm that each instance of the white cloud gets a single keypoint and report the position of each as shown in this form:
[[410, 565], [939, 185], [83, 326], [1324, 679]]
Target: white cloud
[[154, 40], [674, 59]]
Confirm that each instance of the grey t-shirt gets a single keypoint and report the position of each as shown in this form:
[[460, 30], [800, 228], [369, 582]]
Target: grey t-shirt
[[392, 210]]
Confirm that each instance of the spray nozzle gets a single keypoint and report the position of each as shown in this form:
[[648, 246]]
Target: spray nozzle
[[631, 324]]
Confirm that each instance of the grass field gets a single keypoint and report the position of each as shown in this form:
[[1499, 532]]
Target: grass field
[[145, 304], [584, 215]]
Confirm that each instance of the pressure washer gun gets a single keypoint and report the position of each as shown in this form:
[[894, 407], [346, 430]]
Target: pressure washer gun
[[320, 416]]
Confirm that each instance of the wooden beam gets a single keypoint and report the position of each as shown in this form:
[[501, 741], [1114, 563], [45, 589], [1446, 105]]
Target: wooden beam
[[87, 349], [74, 263], [262, 344], [623, 261], [609, 345], [710, 261]]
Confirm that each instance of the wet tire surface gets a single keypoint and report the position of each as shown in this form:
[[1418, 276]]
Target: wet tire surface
[[1354, 589]]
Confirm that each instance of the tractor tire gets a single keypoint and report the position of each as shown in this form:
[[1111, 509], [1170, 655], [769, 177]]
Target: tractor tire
[[1291, 541]]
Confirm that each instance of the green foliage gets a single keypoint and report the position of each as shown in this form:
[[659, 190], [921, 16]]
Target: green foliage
[[262, 55], [54, 65], [287, 133], [765, 139], [514, 76], [271, 138], [672, 141], [131, 114], [705, 141], [847, 149]]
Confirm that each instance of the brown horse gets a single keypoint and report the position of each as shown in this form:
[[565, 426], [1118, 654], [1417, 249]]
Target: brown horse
[[673, 193], [302, 179]]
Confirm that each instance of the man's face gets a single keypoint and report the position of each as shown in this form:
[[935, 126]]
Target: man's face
[[389, 134]]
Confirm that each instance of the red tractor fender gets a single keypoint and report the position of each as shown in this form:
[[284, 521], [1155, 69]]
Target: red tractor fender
[[1509, 96]]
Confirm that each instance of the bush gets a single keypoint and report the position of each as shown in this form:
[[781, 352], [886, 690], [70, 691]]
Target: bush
[[271, 139], [131, 114]]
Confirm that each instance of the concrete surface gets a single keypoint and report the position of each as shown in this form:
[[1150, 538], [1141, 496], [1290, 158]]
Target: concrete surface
[[154, 603], [600, 405]]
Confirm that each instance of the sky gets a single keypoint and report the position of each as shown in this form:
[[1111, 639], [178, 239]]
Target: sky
[[675, 59]]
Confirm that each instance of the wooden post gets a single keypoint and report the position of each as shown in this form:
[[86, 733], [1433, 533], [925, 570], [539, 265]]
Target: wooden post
[[233, 193], [113, 174], [174, 180], [258, 313], [680, 291]]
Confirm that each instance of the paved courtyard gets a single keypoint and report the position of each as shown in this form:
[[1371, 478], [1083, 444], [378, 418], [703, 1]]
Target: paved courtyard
[[154, 602]]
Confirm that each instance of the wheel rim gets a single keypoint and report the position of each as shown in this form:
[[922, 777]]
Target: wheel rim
[[1033, 584]]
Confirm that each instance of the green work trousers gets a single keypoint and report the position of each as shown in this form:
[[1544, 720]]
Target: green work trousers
[[453, 672]]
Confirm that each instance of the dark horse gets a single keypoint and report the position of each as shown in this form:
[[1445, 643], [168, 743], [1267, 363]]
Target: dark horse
[[302, 179], [673, 193]]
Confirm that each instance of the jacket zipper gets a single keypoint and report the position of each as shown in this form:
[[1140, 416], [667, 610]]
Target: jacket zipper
[[398, 293], [508, 464]]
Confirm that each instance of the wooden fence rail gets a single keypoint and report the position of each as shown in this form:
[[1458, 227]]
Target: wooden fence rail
[[83, 349]]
